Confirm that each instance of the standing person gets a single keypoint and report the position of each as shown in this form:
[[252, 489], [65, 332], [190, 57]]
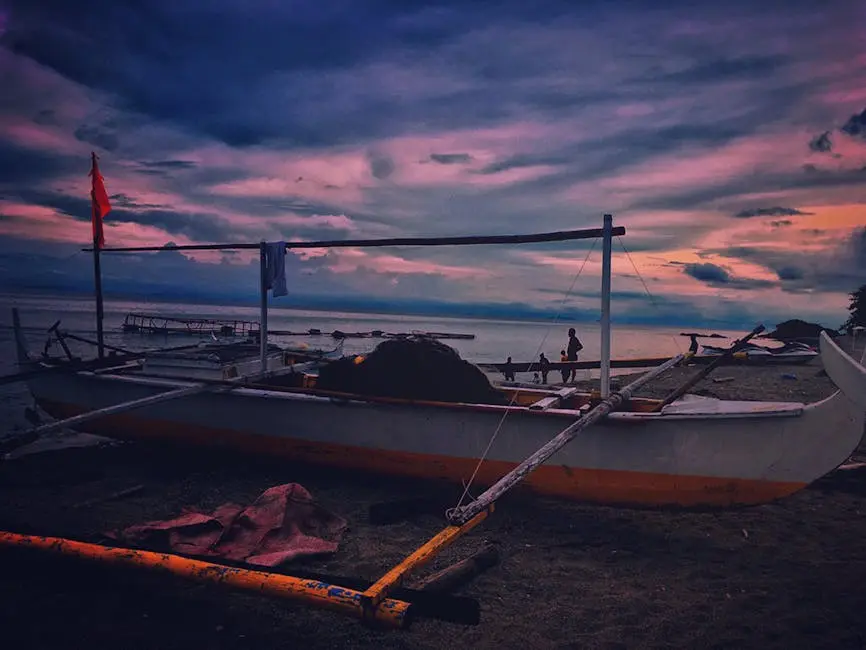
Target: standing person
[[545, 367], [693, 348], [574, 346], [509, 370], [564, 371]]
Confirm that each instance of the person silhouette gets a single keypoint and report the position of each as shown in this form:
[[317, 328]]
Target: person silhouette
[[508, 371], [563, 371], [693, 348], [545, 367], [574, 346]]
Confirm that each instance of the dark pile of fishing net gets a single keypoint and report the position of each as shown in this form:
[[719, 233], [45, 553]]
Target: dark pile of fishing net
[[417, 368]]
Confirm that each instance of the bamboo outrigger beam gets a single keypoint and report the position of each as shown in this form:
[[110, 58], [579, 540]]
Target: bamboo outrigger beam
[[225, 385], [560, 235], [387, 613], [461, 514], [373, 597]]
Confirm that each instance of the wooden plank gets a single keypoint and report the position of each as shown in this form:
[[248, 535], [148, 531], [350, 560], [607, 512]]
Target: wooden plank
[[556, 399], [388, 613], [460, 572], [462, 514]]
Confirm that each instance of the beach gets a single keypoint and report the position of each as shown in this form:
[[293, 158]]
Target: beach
[[783, 575]]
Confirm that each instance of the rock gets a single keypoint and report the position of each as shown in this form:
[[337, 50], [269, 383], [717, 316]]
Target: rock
[[799, 330]]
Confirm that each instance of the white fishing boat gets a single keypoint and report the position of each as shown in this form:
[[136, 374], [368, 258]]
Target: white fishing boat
[[791, 353], [686, 452]]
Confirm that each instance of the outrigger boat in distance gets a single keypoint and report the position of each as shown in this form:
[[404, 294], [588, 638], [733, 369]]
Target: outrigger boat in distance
[[684, 452], [789, 353]]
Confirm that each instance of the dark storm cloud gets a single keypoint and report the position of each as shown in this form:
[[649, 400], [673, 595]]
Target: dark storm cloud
[[200, 227], [707, 272], [296, 75], [717, 276], [856, 125], [381, 165], [724, 69], [168, 60], [821, 143], [21, 165], [196, 226], [97, 136], [692, 198], [450, 158], [839, 268], [45, 116], [72, 206], [168, 164], [776, 211], [789, 273]]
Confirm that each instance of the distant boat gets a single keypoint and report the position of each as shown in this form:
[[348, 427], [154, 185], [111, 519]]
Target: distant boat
[[791, 352]]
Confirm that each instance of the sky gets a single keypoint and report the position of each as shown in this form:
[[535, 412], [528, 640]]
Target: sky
[[729, 139]]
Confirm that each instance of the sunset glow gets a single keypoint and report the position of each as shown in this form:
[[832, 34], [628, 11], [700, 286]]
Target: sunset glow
[[731, 144]]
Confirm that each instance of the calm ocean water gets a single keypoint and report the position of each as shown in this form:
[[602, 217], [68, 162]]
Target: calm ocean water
[[494, 340]]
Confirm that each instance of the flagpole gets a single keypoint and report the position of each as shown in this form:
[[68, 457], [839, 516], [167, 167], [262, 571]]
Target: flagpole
[[99, 205], [97, 279]]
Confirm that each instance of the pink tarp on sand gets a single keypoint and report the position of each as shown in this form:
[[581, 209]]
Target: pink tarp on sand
[[281, 524]]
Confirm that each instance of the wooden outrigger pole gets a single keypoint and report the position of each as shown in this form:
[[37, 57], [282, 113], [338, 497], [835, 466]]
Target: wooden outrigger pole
[[388, 612], [462, 514], [263, 317]]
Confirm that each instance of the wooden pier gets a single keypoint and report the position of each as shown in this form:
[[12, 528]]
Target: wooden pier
[[163, 325], [154, 324]]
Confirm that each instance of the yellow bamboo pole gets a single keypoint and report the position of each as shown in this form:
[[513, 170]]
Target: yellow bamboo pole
[[388, 612], [377, 593]]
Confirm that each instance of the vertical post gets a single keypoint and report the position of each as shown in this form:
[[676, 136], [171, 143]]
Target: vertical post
[[604, 376], [263, 319], [97, 280]]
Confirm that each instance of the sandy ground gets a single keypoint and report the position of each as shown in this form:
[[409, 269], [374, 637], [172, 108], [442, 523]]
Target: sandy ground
[[785, 575]]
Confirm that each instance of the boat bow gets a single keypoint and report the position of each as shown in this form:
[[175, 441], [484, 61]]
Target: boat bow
[[848, 375]]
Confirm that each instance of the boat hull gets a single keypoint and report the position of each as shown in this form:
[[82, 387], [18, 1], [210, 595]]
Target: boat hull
[[688, 458]]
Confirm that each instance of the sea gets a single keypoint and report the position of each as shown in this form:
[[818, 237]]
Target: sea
[[493, 342]]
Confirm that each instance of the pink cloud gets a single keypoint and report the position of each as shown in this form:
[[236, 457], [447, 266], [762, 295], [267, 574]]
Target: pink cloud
[[44, 138], [710, 166], [33, 221]]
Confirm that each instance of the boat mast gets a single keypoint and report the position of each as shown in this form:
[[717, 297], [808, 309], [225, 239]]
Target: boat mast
[[604, 377], [263, 322]]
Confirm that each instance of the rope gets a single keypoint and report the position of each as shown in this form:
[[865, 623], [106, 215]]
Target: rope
[[468, 484], [646, 288]]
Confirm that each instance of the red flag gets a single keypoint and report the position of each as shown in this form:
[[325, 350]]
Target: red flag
[[99, 202]]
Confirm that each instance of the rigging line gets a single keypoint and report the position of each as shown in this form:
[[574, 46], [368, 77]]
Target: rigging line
[[646, 288], [468, 484]]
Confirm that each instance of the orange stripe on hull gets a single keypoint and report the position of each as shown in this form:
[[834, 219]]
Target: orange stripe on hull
[[579, 484]]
